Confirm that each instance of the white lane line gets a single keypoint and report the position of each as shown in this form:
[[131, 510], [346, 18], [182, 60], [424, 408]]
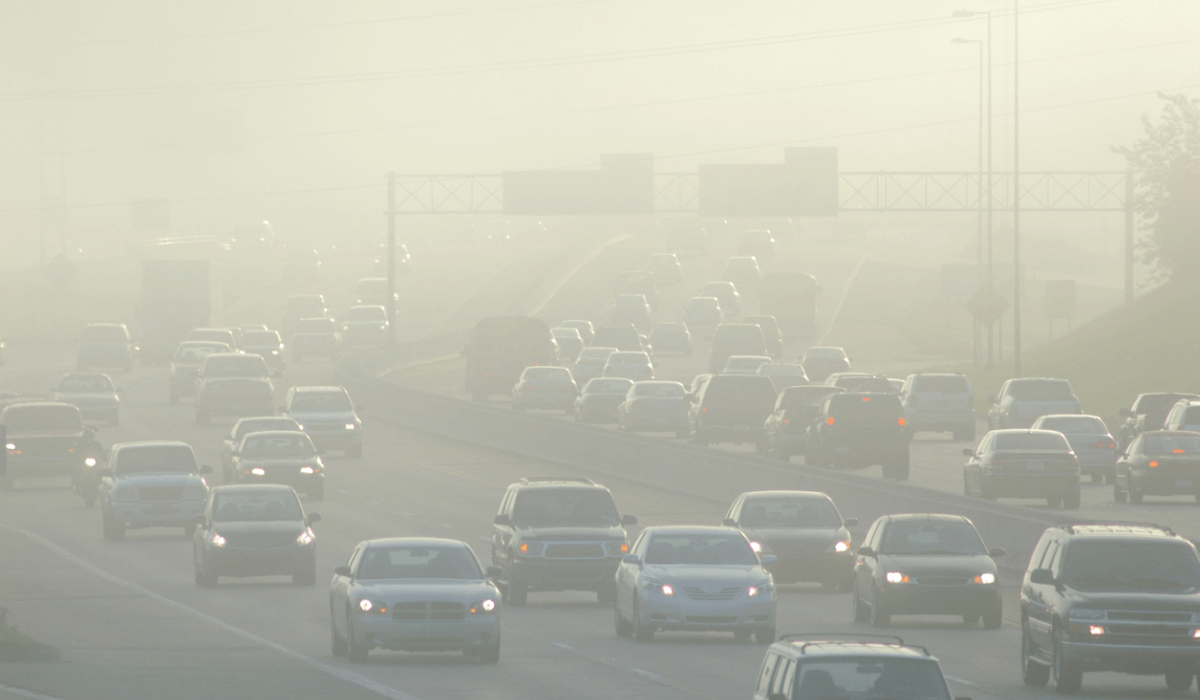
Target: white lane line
[[560, 645], [961, 681], [25, 693], [340, 673], [645, 673]]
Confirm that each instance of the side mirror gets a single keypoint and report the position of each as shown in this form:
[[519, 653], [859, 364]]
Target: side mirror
[[850, 522], [729, 522], [200, 521], [997, 552], [342, 570], [769, 559], [1125, 413], [205, 469], [631, 559], [991, 399], [865, 551], [968, 452], [627, 520], [493, 573], [313, 518], [502, 519], [1041, 576]]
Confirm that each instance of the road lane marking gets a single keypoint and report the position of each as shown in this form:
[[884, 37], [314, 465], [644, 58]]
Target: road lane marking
[[645, 673], [26, 693], [560, 645], [340, 673], [961, 681]]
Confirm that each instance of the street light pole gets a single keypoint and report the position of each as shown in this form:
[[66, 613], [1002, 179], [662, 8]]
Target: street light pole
[[979, 180], [1016, 191]]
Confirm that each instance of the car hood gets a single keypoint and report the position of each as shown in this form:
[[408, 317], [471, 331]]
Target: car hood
[[324, 416], [1188, 600], [395, 590], [157, 479], [262, 528], [938, 565], [283, 463], [573, 533], [707, 574], [806, 538]]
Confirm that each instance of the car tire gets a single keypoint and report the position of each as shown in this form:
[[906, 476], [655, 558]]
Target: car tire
[[1033, 673], [354, 452], [623, 627], [1068, 677], [764, 635], [1071, 500], [861, 612], [993, 618], [641, 632], [355, 653], [490, 655], [337, 644], [880, 617], [1179, 681]]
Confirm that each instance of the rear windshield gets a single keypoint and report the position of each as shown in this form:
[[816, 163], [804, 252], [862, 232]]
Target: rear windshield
[[659, 390], [874, 406], [865, 384], [825, 354], [547, 374], [869, 679], [953, 537], [366, 313], [1157, 403], [153, 459], [670, 328], [747, 392], [193, 354], [629, 358], [1139, 565], [596, 353], [765, 322], [790, 512], [717, 289], [277, 446], [316, 325], [781, 370], [215, 335], [86, 384], [264, 424], [608, 385], [746, 363], [701, 550], [104, 333], [236, 366], [943, 384], [804, 397], [321, 401], [256, 506], [258, 339], [553, 507], [704, 303], [1171, 444], [1031, 441], [1041, 390], [1074, 425], [26, 418], [418, 562]]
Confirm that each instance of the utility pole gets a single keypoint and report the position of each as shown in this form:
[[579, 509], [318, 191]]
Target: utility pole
[[391, 258], [979, 200], [1016, 190]]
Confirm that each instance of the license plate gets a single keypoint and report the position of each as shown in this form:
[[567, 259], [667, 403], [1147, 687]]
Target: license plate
[[1183, 483], [1035, 466]]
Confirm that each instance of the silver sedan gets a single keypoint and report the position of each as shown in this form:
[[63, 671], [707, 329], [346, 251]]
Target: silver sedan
[[695, 578], [414, 594]]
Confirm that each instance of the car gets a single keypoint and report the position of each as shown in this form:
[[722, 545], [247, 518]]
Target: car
[[824, 666], [1110, 596], [266, 343], [315, 336], [93, 394], [1159, 463], [1089, 439], [803, 530], [760, 244], [558, 534], [854, 430], [939, 402], [772, 336], [702, 314], [727, 293], [545, 387], [735, 339], [1017, 463], [364, 326], [926, 564], [414, 594], [665, 267], [403, 260], [152, 484], [821, 361], [671, 336], [230, 443], [783, 376], [105, 345], [624, 338], [631, 309], [302, 306], [232, 384], [795, 409], [897, 384], [655, 406], [280, 457], [860, 382], [1022, 401], [185, 365], [1184, 415], [327, 414], [742, 271], [745, 364], [373, 291], [694, 578], [215, 335], [43, 438], [631, 365], [732, 408], [599, 398], [637, 282], [254, 530], [590, 364], [569, 343], [585, 328], [1148, 412]]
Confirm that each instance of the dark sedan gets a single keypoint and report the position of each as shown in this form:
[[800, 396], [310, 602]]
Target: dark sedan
[[795, 409], [1159, 463], [921, 564], [254, 530], [803, 530], [599, 400], [1023, 464], [280, 457]]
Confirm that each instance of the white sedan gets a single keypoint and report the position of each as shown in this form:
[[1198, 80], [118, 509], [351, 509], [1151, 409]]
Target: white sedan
[[414, 594], [695, 578]]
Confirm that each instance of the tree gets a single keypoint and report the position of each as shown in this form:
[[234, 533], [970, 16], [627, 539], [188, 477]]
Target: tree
[[1166, 167]]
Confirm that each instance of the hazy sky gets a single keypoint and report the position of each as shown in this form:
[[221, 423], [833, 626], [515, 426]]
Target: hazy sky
[[215, 101]]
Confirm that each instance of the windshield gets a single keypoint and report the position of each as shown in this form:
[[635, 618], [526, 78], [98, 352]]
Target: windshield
[[31, 418], [1157, 403], [596, 353], [608, 385], [867, 407], [277, 446], [366, 313], [321, 401], [941, 384], [153, 459], [1170, 444], [718, 289], [194, 354], [1041, 390], [825, 354], [104, 334], [870, 679], [419, 562], [1074, 425], [547, 374], [669, 390], [550, 507], [218, 336], [258, 425], [931, 537], [790, 512], [236, 366], [746, 363], [1137, 564], [87, 384], [701, 550], [1031, 441], [260, 339], [256, 506], [865, 384]]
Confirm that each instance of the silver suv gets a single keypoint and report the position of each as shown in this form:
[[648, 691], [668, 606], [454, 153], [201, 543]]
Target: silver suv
[[152, 484], [939, 403]]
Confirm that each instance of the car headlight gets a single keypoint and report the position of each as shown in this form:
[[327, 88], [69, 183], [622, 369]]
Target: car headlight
[[307, 470], [274, 352], [483, 606], [760, 589], [90, 462], [351, 426], [1085, 614], [305, 537], [369, 606], [11, 447], [195, 491], [664, 588], [896, 577], [617, 547], [984, 578], [217, 540], [258, 471], [841, 546], [530, 549]]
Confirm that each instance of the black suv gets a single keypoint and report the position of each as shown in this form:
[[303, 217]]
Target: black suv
[[857, 430], [559, 534], [1121, 597]]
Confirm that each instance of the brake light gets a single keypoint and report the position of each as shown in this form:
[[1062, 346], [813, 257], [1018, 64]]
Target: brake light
[[866, 398], [829, 420], [704, 409], [1154, 463], [1178, 452], [900, 422], [786, 421]]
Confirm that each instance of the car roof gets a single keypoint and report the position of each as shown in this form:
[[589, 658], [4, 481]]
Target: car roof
[[814, 389], [319, 389], [1172, 433], [150, 443], [657, 382], [854, 648], [202, 343], [784, 494], [415, 542], [251, 488], [1025, 431], [1117, 530], [86, 374], [277, 433], [690, 530], [38, 402], [557, 482], [927, 517], [1071, 415]]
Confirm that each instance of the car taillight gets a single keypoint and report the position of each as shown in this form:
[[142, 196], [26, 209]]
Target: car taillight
[[1154, 463], [786, 421], [829, 420], [900, 422]]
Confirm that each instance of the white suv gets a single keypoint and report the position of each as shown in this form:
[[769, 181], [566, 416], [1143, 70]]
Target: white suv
[[939, 403]]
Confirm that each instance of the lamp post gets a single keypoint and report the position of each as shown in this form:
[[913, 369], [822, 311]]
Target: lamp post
[[979, 179], [1016, 190], [991, 362]]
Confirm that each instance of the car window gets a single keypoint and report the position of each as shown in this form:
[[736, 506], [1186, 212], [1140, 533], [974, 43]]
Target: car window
[[1170, 444], [1191, 415], [701, 550], [783, 676], [768, 672], [870, 679], [941, 384], [241, 366], [276, 446], [418, 562], [789, 512], [151, 459], [1075, 425], [256, 506], [659, 390], [1156, 403], [193, 354], [567, 506], [321, 401], [316, 325], [366, 313], [825, 354], [22, 418], [1041, 390], [1031, 441], [547, 374], [931, 537], [1051, 559], [86, 384], [1131, 565]]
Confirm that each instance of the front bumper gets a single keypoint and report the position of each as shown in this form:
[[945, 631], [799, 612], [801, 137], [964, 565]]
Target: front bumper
[[678, 612], [920, 599], [1165, 483], [139, 514], [542, 574], [476, 632], [1027, 485], [829, 567], [1142, 659], [259, 561]]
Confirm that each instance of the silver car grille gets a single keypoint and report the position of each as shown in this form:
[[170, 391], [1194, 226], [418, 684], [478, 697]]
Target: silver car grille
[[698, 593], [575, 550], [943, 580], [1149, 616], [429, 611]]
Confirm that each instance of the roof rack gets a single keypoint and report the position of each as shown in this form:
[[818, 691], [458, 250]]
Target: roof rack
[[1070, 526], [852, 638], [544, 479]]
